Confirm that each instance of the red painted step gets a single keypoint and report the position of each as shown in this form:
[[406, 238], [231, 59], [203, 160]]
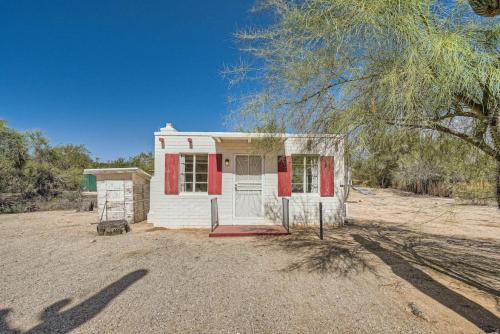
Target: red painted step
[[247, 230]]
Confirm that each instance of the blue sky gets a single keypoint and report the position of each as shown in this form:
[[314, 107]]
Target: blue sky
[[108, 73]]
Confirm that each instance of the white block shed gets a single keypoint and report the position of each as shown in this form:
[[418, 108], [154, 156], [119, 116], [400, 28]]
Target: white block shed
[[122, 193]]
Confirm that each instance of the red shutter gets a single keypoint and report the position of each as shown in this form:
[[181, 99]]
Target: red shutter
[[327, 168], [171, 174], [284, 176], [215, 174]]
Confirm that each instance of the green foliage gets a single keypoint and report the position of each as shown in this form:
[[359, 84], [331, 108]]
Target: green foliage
[[338, 65], [270, 139], [71, 156], [31, 167], [425, 164], [415, 68], [13, 155], [35, 175], [143, 160], [70, 160]]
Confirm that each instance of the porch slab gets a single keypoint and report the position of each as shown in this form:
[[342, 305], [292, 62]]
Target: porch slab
[[247, 230]]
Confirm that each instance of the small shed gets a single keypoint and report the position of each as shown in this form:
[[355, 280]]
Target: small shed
[[122, 193]]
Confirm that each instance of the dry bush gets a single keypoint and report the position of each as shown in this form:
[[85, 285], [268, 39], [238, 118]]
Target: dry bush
[[475, 192]]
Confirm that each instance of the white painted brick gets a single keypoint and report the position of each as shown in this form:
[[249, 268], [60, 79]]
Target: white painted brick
[[187, 210]]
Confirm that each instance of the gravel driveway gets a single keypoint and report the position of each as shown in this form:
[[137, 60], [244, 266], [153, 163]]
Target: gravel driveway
[[58, 276]]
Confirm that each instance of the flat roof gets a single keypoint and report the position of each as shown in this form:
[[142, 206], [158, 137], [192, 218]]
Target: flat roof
[[126, 170], [244, 135]]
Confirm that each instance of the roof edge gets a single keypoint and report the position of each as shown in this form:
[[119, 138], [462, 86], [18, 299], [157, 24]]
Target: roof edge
[[121, 170], [246, 134]]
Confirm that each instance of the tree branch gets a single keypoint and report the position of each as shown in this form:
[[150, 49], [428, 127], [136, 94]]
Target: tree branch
[[328, 87], [441, 128]]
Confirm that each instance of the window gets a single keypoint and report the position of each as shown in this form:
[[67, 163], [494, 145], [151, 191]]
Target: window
[[304, 174], [193, 172]]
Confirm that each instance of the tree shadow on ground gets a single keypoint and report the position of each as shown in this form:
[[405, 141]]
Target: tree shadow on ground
[[54, 321], [334, 255], [475, 262], [463, 306], [471, 261]]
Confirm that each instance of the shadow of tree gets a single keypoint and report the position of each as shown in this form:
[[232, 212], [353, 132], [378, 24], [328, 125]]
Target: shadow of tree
[[474, 262], [468, 309], [334, 255], [54, 321]]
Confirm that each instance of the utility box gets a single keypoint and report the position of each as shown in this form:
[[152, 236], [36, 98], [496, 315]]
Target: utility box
[[122, 193]]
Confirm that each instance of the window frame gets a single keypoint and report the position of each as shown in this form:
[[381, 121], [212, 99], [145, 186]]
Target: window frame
[[304, 182], [182, 174]]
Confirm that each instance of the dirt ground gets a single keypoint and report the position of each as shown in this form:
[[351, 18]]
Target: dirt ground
[[407, 264]]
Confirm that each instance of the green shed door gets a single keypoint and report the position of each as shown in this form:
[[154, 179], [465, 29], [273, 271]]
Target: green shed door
[[89, 183]]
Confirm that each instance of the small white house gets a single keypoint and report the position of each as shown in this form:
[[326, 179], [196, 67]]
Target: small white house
[[191, 168]]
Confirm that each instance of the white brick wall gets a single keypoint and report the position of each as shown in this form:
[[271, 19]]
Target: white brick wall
[[193, 210]]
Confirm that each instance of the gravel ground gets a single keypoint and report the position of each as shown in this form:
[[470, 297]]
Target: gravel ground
[[58, 276]]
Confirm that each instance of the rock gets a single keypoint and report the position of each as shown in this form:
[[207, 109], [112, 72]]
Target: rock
[[417, 311], [112, 227]]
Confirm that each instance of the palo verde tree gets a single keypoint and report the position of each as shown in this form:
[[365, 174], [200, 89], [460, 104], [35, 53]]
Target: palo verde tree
[[349, 65]]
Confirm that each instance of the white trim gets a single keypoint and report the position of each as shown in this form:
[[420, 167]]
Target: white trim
[[245, 135], [188, 194]]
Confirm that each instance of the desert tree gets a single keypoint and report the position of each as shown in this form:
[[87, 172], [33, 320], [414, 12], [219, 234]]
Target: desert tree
[[348, 66]]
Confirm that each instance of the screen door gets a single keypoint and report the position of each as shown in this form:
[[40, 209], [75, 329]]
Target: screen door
[[248, 186]]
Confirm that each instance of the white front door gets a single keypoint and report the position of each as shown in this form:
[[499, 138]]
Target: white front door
[[248, 186]]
